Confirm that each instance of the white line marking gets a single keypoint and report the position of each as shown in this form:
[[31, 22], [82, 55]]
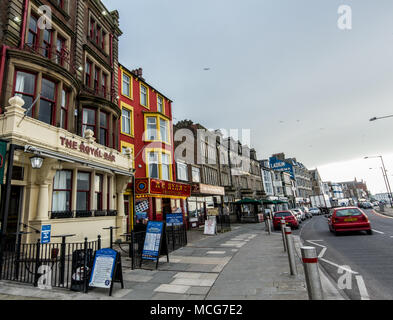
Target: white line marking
[[340, 267], [322, 253], [362, 288], [378, 231]]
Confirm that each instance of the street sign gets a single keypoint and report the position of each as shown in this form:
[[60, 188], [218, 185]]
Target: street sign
[[3, 151], [45, 233]]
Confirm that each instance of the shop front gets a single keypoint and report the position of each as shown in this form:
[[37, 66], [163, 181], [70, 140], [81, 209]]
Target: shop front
[[60, 179], [155, 198], [206, 200]]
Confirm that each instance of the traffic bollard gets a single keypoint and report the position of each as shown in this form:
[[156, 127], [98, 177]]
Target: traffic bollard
[[311, 270], [269, 226], [283, 225], [290, 250]]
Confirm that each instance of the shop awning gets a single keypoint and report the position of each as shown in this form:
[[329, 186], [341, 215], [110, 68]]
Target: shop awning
[[274, 201], [248, 201]]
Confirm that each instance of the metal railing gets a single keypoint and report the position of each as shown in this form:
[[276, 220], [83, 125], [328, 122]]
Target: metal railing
[[176, 238], [62, 265], [223, 223], [82, 214]]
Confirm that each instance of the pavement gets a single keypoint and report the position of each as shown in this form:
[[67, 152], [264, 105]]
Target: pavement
[[244, 264], [387, 211]]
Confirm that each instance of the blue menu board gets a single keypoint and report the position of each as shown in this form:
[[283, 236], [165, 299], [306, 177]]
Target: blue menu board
[[104, 264], [151, 248]]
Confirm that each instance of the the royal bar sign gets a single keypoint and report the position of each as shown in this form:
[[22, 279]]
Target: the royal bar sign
[[155, 187], [95, 152]]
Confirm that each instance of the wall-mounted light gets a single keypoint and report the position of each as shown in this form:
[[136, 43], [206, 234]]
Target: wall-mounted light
[[36, 162], [80, 68], [17, 19], [104, 13]]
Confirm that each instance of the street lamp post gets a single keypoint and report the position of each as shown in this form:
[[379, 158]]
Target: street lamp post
[[385, 176]]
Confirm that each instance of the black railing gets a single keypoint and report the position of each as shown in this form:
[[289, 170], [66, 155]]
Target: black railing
[[62, 265], [82, 214], [176, 237], [223, 223]]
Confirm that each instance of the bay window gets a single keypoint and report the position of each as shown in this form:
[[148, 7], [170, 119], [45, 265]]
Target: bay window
[[98, 191], [164, 130], [104, 128], [62, 190], [153, 165], [64, 109], [165, 167], [88, 120], [47, 101], [24, 87], [151, 128], [83, 191]]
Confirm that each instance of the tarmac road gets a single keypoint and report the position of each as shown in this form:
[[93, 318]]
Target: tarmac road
[[366, 261]]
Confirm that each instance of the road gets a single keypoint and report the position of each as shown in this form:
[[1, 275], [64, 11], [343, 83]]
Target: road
[[361, 264]]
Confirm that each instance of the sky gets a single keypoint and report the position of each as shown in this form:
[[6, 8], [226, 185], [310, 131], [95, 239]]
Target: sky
[[280, 68]]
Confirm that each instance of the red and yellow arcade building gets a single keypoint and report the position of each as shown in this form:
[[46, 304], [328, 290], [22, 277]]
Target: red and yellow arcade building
[[146, 131]]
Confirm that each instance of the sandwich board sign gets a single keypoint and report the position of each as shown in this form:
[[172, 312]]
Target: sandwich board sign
[[155, 241], [210, 225], [106, 270]]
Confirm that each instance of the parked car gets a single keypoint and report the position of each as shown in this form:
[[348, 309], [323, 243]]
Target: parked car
[[348, 219], [302, 214], [367, 205], [289, 218], [298, 215], [315, 211]]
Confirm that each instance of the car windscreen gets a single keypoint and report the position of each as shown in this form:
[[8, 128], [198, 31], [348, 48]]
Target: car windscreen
[[348, 212], [282, 214]]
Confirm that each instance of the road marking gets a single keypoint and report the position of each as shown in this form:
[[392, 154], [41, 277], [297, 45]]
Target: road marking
[[339, 267], [378, 231], [322, 253], [362, 288]]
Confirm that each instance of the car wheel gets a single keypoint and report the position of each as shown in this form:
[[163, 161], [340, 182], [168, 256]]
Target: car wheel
[[369, 232]]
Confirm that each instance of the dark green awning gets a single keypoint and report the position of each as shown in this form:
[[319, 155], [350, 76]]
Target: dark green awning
[[249, 201]]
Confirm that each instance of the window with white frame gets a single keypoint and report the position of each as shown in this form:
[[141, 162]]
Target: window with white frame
[[165, 167], [144, 99], [196, 174], [153, 165], [126, 85], [126, 121], [182, 172], [151, 128], [160, 104], [164, 130]]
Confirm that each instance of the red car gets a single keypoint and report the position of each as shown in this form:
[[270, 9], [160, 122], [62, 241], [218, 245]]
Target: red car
[[289, 218], [349, 219]]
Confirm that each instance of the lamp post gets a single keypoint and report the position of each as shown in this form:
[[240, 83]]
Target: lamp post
[[385, 176]]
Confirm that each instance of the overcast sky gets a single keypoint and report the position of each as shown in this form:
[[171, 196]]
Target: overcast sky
[[281, 68]]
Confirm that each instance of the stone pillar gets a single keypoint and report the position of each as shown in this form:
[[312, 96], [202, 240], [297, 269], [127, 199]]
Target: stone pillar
[[45, 178], [121, 186]]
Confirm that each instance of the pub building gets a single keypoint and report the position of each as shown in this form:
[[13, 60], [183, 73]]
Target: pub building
[[60, 179], [157, 198], [66, 73], [146, 128]]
